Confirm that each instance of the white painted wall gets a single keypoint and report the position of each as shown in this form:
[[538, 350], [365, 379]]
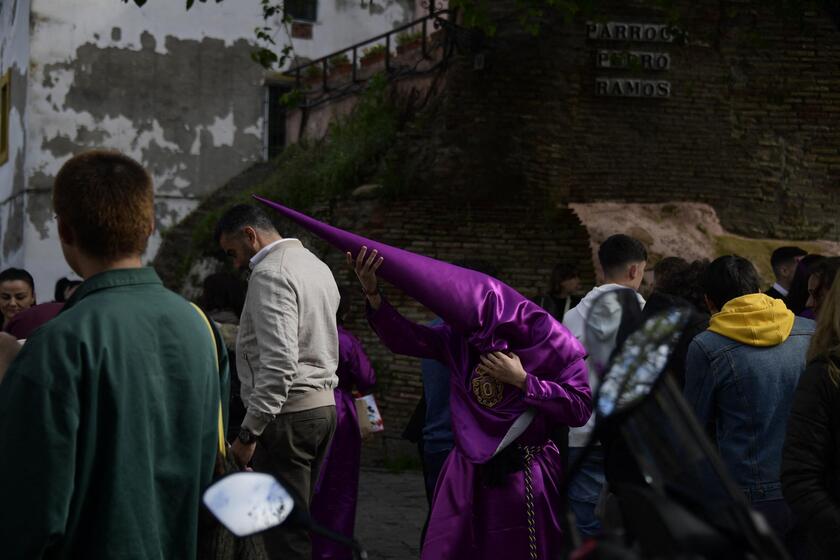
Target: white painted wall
[[342, 23], [14, 55], [61, 28]]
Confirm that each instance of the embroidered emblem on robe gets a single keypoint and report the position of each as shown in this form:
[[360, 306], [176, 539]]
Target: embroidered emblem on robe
[[488, 391]]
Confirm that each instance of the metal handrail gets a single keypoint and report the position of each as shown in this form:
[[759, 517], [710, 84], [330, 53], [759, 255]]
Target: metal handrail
[[424, 21]]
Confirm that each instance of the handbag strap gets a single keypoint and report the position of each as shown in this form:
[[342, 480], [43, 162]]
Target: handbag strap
[[222, 441]]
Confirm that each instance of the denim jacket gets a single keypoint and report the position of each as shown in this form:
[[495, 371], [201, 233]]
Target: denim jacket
[[745, 393]]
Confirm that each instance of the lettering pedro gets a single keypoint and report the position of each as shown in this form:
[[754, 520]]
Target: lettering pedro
[[638, 32], [633, 59]]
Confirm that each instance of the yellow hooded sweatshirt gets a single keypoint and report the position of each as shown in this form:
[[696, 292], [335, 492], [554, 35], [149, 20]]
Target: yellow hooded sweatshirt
[[754, 319]]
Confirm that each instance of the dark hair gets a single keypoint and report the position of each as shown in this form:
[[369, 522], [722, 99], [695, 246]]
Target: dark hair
[[240, 216], [107, 200], [559, 274], [17, 274], [61, 286], [729, 277], [343, 304], [667, 273], [797, 298], [785, 255], [223, 291], [677, 277], [619, 250], [825, 272]]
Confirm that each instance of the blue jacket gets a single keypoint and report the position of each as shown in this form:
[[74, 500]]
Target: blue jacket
[[742, 385]]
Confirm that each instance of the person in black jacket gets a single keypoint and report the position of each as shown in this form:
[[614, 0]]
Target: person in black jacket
[[811, 453], [676, 283], [784, 261], [562, 291]]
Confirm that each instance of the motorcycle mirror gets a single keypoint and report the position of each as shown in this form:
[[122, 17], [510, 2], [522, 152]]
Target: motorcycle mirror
[[249, 502], [640, 362]]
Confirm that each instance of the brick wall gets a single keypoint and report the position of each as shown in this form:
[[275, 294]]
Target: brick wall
[[751, 126], [521, 239]]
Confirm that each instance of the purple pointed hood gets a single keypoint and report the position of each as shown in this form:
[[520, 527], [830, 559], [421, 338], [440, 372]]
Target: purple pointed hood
[[491, 315]]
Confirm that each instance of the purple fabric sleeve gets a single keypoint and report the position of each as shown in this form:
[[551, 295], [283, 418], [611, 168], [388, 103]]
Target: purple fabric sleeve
[[402, 336], [365, 376], [567, 400]]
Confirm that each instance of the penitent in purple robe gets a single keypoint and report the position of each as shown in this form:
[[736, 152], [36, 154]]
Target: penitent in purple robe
[[482, 314], [334, 502], [470, 519]]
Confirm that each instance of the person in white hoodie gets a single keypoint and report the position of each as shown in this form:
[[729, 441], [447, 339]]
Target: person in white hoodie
[[623, 261]]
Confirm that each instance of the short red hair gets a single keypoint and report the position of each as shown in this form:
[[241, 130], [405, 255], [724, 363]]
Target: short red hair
[[107, 200]]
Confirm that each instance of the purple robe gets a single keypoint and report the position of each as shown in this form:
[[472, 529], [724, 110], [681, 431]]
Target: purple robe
[[482, 315], [468, 518], [27, 321], [334, 502]]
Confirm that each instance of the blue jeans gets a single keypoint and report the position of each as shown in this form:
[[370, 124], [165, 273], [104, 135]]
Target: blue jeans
[[585, 490]]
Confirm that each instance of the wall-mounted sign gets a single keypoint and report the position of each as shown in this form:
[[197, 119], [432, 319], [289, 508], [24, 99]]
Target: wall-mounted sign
[[633, 59], [637, 60], [631, 87], [637, 32]]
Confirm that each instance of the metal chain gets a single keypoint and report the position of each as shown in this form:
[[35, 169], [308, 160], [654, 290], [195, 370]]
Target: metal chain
[[529, 451]]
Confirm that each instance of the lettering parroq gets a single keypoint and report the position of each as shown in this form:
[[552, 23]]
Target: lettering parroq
[[615, 59], [639, 32]]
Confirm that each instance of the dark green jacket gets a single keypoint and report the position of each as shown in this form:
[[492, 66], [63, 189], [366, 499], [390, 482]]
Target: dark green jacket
[[108, 426]]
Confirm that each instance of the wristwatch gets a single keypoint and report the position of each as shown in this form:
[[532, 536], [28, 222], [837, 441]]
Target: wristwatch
[[246, 436]]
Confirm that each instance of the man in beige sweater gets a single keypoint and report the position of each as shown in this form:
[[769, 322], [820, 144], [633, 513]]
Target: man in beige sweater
[[286, 357]]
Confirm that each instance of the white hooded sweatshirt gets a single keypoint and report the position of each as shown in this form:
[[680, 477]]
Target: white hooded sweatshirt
[[602, 329]]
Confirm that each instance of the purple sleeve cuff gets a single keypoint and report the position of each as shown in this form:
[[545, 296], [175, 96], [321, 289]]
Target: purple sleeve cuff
[[567, 398]]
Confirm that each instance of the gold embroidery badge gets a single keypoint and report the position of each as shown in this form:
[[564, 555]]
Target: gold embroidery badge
[[488, 391]]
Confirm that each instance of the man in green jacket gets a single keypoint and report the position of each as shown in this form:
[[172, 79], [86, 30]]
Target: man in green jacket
[[109, 414]]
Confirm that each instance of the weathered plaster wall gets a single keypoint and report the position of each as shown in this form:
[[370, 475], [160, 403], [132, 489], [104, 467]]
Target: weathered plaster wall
[[14, 56], [176, 90]]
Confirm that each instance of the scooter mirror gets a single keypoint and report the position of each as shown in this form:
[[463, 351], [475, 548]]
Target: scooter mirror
[[640, 362], [249, 502]]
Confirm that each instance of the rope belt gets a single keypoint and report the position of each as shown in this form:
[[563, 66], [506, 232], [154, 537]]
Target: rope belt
[[529, 452]]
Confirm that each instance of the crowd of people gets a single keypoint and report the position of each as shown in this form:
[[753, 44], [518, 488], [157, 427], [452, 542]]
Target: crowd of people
[[124, 401]]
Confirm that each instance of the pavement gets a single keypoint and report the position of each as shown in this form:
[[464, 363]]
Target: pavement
[[390, 513]]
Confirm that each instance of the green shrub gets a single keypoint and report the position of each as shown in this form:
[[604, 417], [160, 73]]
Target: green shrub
[[373, 51], [408, 38], [312, 171], [338, 60], [312, 72]]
